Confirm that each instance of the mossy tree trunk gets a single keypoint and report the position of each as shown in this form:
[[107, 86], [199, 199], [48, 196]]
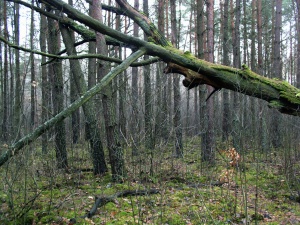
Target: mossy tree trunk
[[116, 152], [97, 152]]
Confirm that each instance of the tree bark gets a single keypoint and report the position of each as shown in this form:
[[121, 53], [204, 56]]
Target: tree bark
[[75, 120], [32, 72], [236, 113], [148, 117], [134, 122], [17, 92], [158, 127], [122, 83], [208, 151], [114, 147], [97, 153], [277, 70], [176, 96], [5, 80], [55, 72], [44, 77], [226, 106], [298, 43]]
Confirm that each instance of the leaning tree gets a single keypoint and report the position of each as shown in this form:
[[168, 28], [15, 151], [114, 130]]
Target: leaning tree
[[279, 94]]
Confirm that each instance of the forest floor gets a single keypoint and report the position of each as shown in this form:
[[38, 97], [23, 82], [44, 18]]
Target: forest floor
[[262, 189]]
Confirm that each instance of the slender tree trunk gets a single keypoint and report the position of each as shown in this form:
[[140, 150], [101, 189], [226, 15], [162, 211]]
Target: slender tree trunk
[[208, 152], [75, 119], [237, 64], [246, 122], [32, 71], [122, 89], [166, 86], [17, 103], [253, 66], [202, 88], [134, 96], [298, 44], [176, 88], [195, 130], [55, 71], [159, 124], [114, 147], [262, 122], [149, 142], [45, 82], [277, 69], [1, 70], [226, 105], [92, 75], [88, 108], [5, 80]]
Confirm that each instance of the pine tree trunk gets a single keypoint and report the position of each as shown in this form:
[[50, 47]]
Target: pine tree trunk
[[176, 88], [277, 69], [237, 64], [55, 72], [298, 44], [32, 72], [114, 147], [75, 119], [98, 157], [17, 94], [149, 141], [208, 152], [44, 77], [226, 106], [5, 80], [134, 97]]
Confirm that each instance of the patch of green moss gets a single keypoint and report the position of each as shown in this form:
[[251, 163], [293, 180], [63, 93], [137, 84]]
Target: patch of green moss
[[225, 69], [26, 219], [110, 206], [174, 219], [276, 104], [257, 217], [47, 219], [56, 193]]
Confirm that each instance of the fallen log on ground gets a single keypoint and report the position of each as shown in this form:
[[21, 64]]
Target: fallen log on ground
[[101, 201]]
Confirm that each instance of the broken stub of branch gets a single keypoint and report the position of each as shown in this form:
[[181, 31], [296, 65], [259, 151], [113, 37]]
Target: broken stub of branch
[[192, 79]]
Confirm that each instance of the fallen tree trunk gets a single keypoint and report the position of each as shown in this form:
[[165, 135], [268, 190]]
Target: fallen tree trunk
[[280, 94], [101, 201]]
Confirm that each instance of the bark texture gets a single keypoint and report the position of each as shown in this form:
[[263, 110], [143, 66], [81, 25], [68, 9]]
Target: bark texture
[[97, 151]]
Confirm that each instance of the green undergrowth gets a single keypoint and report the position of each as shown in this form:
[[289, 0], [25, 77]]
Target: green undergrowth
[[262, 189]]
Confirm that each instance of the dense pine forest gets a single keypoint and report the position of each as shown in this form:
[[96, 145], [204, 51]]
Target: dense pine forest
[[149, 112]]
